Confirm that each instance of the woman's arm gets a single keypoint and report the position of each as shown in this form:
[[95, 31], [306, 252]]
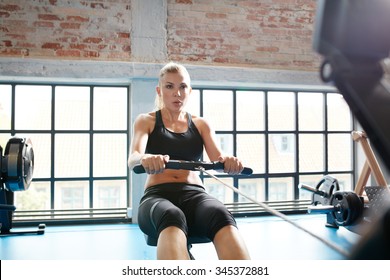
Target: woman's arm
[[139, 140], [153, 164]]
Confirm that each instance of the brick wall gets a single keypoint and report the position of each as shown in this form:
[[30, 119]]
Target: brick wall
[[261, 33], [249, 33], [57, 29]]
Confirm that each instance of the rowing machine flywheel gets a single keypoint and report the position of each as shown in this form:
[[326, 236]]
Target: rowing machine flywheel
[[19, 157], [16, 174]]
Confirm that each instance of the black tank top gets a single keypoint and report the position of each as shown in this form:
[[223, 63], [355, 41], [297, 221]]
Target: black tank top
[[179, 146]]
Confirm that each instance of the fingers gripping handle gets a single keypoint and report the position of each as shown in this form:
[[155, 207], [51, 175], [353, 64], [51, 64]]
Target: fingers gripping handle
[[220, 166], [192, 165]]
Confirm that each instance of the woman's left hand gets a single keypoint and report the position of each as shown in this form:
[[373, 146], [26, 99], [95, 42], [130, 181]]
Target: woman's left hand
[[232, 165]]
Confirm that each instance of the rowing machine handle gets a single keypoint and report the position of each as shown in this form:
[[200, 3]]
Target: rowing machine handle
[[192, 165]]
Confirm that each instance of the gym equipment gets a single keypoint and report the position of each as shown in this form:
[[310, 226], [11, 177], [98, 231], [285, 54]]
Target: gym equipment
[[343, 208], [193, 165], [353, 39], [16, 173], [378, 200], [198, 166], [371, 165], [323, 191]]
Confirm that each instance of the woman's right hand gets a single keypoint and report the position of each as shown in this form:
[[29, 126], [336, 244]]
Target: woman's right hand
[[154, 164]]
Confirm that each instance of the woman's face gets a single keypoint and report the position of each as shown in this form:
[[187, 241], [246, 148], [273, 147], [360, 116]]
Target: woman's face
[[174, 90]]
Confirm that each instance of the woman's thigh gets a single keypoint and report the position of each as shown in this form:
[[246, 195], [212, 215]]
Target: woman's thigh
[[156, 213]]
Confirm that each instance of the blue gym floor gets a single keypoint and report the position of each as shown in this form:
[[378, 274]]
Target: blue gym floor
[[267, 238]]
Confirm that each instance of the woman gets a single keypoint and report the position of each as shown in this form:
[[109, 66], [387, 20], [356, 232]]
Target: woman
[[175, 204]]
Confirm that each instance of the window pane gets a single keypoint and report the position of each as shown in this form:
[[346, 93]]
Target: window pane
[[193, 104], [311, 111], [225, 142], [340, 152], [41, 144], [254, 188], [218, 190], [218, 108], [37, 197], [281, 153], [109, 155], [281, 189], [311, 152], [5, 106], [110, 108], [339, 115], [281, 111], [250, 110], [72, 108], [251, 151], [33, 107], [71, 155], [109, 194], [72, 195]]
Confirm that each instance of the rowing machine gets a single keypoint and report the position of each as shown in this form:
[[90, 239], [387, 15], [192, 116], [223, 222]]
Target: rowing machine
[[16, 173]]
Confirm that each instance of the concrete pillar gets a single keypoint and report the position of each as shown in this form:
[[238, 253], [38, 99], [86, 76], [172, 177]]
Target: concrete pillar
[[142, 94], [148, 30]]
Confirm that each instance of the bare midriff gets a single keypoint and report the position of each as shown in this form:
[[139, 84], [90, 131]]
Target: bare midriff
[[174, 176]]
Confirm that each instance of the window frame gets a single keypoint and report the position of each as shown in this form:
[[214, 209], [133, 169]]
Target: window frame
[[296, 205], [89, 215]]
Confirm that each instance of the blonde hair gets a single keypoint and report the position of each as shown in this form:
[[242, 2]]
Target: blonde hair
[[171, 67]]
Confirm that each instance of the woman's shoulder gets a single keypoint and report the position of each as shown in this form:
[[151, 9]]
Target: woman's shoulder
[[200, 122], [145, 119]]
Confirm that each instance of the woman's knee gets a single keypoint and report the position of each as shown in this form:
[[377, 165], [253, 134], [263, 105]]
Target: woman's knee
[[172, 216]]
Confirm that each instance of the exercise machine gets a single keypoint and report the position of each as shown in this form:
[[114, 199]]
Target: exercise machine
[[342, 208], [350, 208], [353, 39], [16, 174]]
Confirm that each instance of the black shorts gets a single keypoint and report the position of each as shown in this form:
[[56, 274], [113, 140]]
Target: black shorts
[[185, 206]]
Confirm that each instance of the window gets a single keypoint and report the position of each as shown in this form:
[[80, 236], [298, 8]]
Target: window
[[284, 143], [80, 136], [286, 136]]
